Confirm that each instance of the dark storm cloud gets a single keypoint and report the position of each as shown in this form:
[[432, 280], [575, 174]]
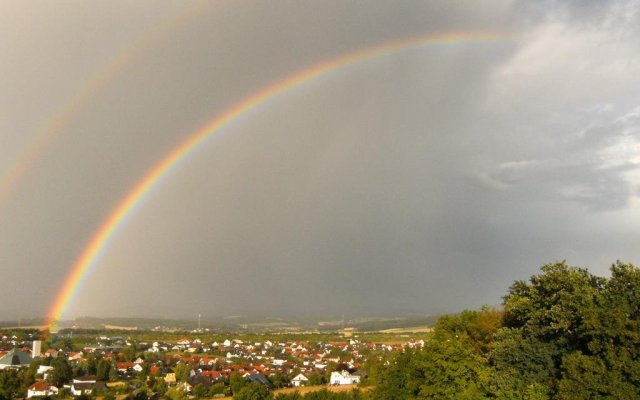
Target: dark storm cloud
[[425, 180]]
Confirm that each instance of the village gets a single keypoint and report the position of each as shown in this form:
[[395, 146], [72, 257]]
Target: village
[[187, 367]]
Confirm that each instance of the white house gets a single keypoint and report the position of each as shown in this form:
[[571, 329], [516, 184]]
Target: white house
[[41, 389], [44, 371], [343, 378], [85, 385], [300, 380]]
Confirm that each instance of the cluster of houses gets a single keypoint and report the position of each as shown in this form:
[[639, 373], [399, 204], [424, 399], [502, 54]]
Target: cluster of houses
[[338, 363]]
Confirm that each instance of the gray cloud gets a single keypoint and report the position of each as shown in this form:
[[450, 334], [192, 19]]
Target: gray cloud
[[425, 180]]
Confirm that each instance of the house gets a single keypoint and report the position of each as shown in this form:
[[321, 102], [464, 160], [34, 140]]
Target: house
[[170, 378], [73, 356], [186, 387], [87, 388], [86, 385], [124, 366], [343, 378], [51, 353], [260, 379], [44, 370], [300, 380], [15, 359], [41, 389]]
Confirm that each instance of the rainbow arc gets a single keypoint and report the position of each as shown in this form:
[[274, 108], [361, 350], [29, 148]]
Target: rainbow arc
[[126, 208]]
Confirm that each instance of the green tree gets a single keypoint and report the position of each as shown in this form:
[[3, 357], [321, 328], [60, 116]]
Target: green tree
[[253, 391], [102, 370], [199, 391], [160, 386], [176, 394], [9, 384], [450, 369], [555, 305], [113, 372], [61, 372], [129, 353], [236, 383], [289, 396], [477, 326], [279, 380], [395, 376], [584, 330], [217, 388], [522, 367], [588, 377], [317, 379], [182, 372], [91, 366]]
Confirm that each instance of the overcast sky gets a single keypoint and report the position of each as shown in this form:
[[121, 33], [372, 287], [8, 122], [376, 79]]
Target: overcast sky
[[425, 180]]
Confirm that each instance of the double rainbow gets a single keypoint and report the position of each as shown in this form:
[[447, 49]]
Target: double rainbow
[[87, 89], [107, 231]]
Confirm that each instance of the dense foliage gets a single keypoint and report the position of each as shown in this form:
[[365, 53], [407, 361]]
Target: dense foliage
[[565, 334]]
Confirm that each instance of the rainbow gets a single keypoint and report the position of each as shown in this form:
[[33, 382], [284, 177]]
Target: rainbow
[[106, 74], [107, 231]]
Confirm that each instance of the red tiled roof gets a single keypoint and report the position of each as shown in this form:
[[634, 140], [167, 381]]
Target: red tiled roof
[[40, 386]]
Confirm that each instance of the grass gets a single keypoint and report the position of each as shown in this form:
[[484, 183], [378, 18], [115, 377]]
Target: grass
[[308, 389]]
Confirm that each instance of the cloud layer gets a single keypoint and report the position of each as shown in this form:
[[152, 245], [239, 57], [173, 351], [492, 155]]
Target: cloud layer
[[423, 181]]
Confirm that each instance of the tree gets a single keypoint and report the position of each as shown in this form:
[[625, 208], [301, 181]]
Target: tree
[[582, 329], [199, 391], [160, 386], [129, 353], [588, 377], [9, 384], [394, 377], [555, 305], [217, 388], [102, 370], [478, 326], [182, 372], [176, 394], [522, 367], [289, 396], [91, 366], [317, 379], [279, 380], [113, 372], [61, 372], [450, 369], [253, 391], [236, 383]]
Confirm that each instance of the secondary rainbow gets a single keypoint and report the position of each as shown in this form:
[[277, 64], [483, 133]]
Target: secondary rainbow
[[100, 240], [100, 79]]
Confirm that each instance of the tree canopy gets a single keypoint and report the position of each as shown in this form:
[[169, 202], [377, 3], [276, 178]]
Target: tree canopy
[[564, 334]]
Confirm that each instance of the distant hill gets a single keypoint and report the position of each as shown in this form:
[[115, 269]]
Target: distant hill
[[238, 323]]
